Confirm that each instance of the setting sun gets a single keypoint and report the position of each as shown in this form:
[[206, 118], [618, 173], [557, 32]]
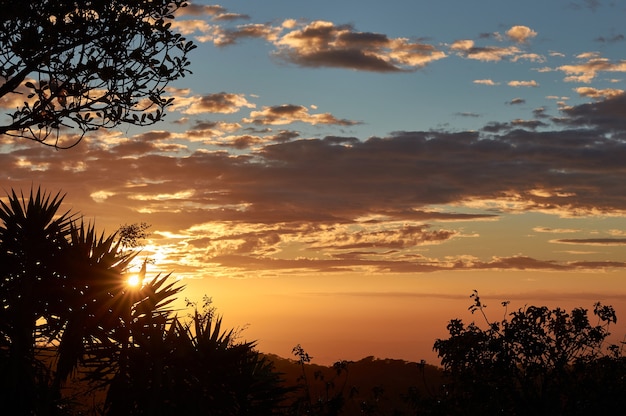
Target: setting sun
[[133, 280]]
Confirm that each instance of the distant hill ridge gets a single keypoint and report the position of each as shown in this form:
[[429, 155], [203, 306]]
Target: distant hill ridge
[[388, 384]]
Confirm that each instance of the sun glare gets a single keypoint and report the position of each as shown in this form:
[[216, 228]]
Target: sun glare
[[133, 280]]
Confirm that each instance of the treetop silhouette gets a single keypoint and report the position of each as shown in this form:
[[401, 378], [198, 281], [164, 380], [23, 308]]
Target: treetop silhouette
[[76, 66], [535, 361]]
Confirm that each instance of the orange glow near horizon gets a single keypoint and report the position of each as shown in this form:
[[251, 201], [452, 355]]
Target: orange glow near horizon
[[352, 316]]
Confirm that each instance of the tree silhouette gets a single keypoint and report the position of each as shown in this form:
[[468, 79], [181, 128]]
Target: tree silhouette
[[63, 290], [536, 361], [32, 238], [328, 402], [66, 309], [87, 65]]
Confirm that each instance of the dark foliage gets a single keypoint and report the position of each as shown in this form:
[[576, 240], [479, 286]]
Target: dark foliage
[[67, 311], [536, 361], [84, 65], [366, 387], [192, 369], [32, 240]]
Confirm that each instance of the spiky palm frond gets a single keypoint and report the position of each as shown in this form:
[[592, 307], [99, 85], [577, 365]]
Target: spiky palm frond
[[32, 237], [94, 274], [194, 367], [102, 308]]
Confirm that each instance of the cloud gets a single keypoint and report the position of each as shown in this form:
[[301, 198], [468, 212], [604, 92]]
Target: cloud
[[595, 241], [468, 114], [555, 230], [214, 12], [608, 115], [290, 113], [193, 9], [189, 26], [598, 93], [324, 44], [531, 83], [611, 39], [485, 82], [400, 238], [516, 101], [359, 261], [230, 16], [19, 96], [520, 34], [224, 103], [589, 68], [462, 45], [224, 37], [467, 49], [368, 201], [528, 124]]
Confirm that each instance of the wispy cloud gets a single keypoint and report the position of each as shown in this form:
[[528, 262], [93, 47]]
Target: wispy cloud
[[224, 103], [486, 82], [516, 83], [290, 113], [595, 241], [588, 67]]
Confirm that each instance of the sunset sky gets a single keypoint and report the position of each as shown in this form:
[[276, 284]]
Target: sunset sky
[[342, 174]]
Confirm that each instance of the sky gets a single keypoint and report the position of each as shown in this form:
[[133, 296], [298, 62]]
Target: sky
[[343, 174]]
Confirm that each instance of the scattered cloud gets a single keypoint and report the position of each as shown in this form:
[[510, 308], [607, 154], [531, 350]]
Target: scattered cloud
[[531, 83], [193, 9], [595, 241], [486, 82], [589, 67], [466, 48], [521, 34], [322, 43], [608, 115], [290, 113], [224, 103], [367, 202], [555, 230], [610, 39], [241, 192], [224, 37], [532, 57], [598, 93]]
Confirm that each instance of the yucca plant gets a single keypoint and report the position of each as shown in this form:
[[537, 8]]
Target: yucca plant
[[63, 289], [103, 313], [193, 368], [33, 236], [93, 293]]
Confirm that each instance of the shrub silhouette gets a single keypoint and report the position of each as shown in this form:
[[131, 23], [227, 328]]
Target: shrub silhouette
[[193, 368], [536, 361]]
